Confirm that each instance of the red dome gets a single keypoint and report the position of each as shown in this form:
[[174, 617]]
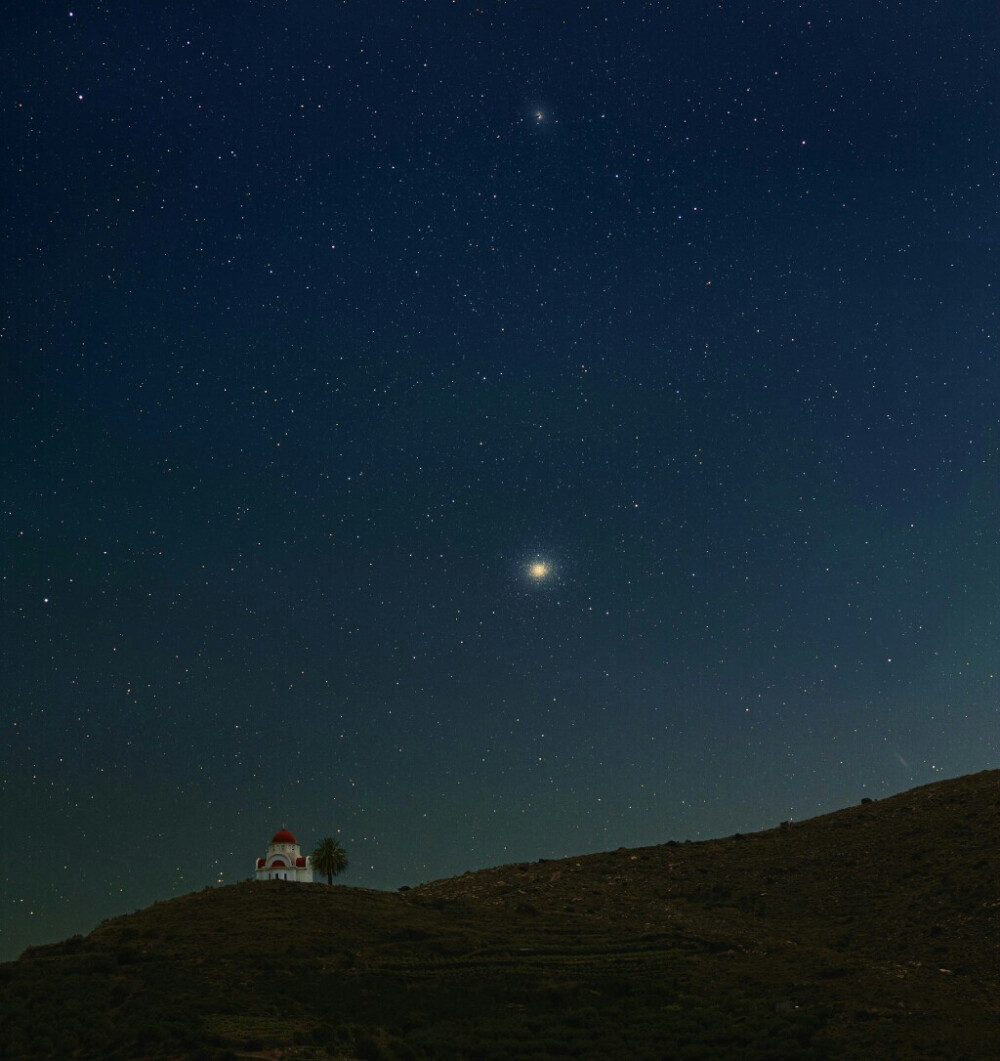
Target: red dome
[[283, 836], [300, 862]]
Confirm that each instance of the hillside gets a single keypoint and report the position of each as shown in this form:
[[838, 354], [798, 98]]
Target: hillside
[[867, 933]]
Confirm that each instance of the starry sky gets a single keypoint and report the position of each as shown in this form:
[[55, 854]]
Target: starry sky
[[486, 432]]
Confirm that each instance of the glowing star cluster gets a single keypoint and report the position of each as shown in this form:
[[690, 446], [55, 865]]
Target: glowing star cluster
[[539, 570]]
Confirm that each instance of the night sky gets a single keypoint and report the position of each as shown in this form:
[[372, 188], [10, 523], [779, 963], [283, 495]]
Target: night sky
[[486, 433]]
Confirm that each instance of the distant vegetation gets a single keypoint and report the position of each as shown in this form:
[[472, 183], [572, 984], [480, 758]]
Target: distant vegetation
[[864, 934], [329, 859]]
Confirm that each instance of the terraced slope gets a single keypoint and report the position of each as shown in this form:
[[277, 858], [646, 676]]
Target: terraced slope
[[867, 933]]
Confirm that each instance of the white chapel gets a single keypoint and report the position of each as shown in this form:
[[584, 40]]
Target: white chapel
[[284, 860]]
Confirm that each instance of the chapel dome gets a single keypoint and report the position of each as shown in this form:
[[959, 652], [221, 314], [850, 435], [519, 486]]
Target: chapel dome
[[283, 836]]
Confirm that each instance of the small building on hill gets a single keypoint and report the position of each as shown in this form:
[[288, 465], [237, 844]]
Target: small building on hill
[[284, 860]]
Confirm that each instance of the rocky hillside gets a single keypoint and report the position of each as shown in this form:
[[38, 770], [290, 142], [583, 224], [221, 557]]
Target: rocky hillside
[[868, 933]]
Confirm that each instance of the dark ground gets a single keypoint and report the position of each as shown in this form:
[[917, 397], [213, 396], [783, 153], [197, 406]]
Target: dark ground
[[867, 933]]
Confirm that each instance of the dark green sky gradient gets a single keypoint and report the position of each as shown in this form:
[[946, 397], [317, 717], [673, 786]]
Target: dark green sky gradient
[[316, 336]]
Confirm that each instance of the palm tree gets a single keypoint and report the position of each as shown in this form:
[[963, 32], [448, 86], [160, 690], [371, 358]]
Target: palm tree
[[329, 858]]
